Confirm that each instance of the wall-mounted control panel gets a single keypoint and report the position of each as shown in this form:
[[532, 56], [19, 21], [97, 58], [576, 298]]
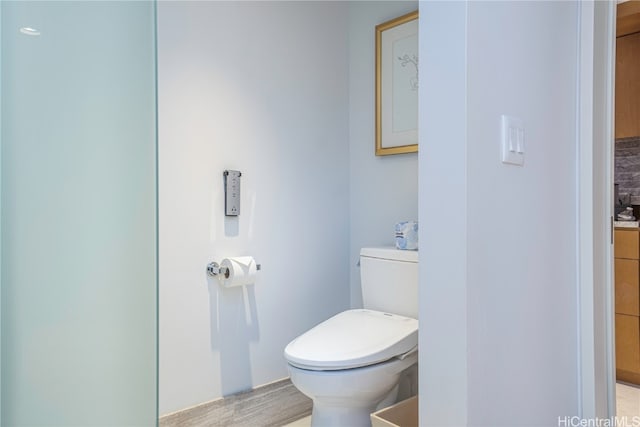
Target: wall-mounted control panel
[[232, 192]]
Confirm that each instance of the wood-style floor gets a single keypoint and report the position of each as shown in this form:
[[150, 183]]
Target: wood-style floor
[[275, 404], [281, 404]]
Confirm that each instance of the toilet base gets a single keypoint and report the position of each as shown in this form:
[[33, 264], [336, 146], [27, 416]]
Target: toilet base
[[327, 415], [337, 414]]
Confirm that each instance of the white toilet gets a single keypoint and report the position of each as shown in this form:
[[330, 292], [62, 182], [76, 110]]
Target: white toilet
[[350, 363]]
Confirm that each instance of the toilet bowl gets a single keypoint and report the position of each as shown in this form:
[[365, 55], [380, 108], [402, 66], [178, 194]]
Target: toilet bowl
[[350, 363], [353, 361], [348, 397]]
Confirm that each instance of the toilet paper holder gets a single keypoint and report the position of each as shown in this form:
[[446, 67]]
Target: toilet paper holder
[[213, 269]]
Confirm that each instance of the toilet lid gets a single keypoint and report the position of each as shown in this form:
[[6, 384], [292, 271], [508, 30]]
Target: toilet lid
[[352, 339]]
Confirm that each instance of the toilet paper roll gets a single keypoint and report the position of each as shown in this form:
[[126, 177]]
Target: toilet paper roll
[[241, 271]]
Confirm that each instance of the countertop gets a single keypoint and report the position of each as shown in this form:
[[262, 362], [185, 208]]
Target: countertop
[[626, 224]]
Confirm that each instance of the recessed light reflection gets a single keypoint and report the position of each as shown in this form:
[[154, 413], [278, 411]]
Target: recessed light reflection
[[29, 31]]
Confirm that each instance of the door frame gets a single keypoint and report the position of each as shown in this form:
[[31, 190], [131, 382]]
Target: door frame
[[595, 135]]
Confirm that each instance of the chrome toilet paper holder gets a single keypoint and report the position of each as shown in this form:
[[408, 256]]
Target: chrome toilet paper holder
[[214, 269]]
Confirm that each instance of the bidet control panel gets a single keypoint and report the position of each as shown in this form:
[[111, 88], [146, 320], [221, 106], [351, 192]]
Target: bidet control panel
[[232, 192]]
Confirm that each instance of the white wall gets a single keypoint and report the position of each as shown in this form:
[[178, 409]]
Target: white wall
[[261, 88], [513, 286], [383, 189], [443, 213]]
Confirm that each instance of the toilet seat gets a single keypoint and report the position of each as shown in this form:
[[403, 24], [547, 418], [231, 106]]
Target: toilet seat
[[352, 339]]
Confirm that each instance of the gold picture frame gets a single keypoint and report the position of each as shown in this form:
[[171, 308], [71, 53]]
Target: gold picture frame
[[397, 85]]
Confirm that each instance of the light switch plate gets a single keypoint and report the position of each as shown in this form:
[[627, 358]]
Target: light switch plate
[[512, 140]]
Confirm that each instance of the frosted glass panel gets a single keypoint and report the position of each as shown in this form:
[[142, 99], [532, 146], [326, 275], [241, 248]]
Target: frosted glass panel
[[78, 213]]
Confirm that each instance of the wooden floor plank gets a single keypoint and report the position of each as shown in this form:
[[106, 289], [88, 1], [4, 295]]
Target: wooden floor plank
[[274, 404]]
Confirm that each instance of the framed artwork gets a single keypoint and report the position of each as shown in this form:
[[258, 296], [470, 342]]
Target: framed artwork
[[397, 85]]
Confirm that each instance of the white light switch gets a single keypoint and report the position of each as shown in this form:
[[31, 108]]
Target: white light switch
[[512, 140]]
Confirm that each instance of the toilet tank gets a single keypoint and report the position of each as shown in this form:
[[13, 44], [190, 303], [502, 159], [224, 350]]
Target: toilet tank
[[389, 280]]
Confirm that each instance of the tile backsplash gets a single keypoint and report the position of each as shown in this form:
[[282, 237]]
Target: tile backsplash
[[627, 165]]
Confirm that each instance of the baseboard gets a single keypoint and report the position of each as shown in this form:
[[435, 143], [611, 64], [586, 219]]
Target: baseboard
[[628, 377], [274, 404]]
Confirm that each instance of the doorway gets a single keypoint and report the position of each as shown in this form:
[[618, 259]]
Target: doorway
[[626, 263]]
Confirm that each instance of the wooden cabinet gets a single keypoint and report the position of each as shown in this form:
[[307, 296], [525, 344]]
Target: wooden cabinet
[[627, 345], [627, 297], [628, 18], [626, 284], [627, 243], [627, 86]]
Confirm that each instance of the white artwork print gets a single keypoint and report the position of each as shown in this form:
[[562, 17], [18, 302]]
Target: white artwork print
[[405, 84], [399, 85]]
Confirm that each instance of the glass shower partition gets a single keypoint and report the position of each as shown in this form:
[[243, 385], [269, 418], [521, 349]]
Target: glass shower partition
[[78, 213]]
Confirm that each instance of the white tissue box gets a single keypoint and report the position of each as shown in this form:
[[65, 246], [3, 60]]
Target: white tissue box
[[407, 235]]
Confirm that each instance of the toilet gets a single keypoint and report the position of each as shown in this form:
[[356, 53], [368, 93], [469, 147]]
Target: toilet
[[353, 361]]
